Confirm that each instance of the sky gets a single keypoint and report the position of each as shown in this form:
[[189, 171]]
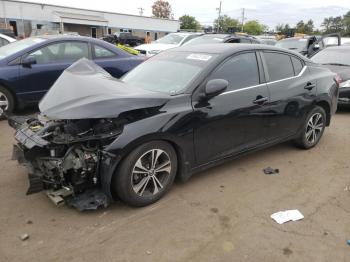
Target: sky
[[268, 12]]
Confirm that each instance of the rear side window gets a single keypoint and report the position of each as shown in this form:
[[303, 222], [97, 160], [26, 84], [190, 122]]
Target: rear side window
[[101, 52], [279, 66], [297, 64], [240, 71]]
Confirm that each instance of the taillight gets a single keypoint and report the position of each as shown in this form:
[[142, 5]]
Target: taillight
[[337, 79]]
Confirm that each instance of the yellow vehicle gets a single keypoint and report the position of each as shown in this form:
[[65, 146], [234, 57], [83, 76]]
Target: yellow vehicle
[[128, 49]]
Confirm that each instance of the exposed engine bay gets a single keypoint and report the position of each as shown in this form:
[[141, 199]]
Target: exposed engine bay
[[65, 146], [64, 156]]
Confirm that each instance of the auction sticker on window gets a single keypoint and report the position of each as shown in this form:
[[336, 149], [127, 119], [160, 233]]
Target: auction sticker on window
[[200, 57]]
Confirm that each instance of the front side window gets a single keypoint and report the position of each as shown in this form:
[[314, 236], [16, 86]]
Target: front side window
[[101, 52], [61, 52], [240, 71], [279, 66]]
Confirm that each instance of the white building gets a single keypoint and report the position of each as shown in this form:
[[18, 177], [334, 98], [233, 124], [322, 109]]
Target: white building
[[25, 17]]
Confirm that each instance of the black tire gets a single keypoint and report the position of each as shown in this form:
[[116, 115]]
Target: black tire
[[127, 184], [6, 95], [305, 141]]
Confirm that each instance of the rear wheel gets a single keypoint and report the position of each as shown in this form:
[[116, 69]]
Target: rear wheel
[[313, 129], [7, 102], [146, 174]]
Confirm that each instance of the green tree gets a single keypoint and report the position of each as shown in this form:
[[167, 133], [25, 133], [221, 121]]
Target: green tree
[[305, 28], [333, 25], [300, 27], [253, 27], [283, 29], [162, 9], [225, 23], [346, 22], [326, 24], [189, 22]]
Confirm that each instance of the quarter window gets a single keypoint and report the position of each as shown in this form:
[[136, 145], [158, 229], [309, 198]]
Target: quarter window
[[279, 66], [297, 64], [61, 52], [101, 52], [240, 71]]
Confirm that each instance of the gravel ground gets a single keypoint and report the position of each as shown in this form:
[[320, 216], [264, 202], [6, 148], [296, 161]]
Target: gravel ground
[[222, 214]]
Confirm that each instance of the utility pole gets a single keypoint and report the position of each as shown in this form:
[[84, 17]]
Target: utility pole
[[243, 18], [141, 11], [219, 17]]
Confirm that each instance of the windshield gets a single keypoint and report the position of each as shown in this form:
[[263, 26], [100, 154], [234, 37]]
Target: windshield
[[173, 39], [17, 46], [168, 72], [206, 39], [293, 44], [332, 56]]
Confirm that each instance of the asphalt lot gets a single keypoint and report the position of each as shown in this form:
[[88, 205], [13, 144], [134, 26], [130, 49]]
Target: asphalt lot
[[222, 214]]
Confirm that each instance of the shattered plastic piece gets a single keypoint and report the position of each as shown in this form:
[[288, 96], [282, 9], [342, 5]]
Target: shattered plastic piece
[[288, 215], [271, 171], [24, 237], [348, 242]]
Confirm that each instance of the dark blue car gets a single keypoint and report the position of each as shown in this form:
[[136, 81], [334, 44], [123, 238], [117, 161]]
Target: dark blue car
[[29, 67]]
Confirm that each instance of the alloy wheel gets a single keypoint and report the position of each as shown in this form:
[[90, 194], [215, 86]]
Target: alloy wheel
[[151, 172], [4, 102], [314, 128]]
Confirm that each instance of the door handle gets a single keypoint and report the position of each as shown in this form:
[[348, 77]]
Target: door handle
[[309, 86], [260, 100]]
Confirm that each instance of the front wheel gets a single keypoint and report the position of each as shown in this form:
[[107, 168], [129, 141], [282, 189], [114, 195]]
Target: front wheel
[[146, 174], [313, 128], [7, 102]]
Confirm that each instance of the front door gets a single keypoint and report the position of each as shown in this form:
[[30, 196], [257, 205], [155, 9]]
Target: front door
[[51, 61], [234, 120]]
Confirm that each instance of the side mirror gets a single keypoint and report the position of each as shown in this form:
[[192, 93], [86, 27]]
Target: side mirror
[[316, 47], [215, 87], [28, 61]]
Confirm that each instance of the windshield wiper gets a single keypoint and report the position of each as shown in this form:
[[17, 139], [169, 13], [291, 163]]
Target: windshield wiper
[[336, 64]]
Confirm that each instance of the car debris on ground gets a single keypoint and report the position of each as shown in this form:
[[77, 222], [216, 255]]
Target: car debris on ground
[[271, 171], [24, 237], [288, 215]]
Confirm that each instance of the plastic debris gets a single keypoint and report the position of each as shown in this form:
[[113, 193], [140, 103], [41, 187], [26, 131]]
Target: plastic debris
[[24, 237], [348, 242], [271, 171], [287, 215]]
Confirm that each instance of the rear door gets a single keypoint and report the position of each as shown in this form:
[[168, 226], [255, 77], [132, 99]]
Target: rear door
[[292, 92], [234, 120], [51, 61]]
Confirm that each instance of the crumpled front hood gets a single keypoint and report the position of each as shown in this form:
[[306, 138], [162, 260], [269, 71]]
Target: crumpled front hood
[[85, 90]]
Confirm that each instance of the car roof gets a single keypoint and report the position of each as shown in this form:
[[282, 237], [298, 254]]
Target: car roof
[[8, 38], [229, 48], [340, 47]]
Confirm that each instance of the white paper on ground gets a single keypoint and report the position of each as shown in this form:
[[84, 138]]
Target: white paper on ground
[[288, 215]]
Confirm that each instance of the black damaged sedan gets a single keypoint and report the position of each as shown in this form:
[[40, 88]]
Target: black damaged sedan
[[99, 139]]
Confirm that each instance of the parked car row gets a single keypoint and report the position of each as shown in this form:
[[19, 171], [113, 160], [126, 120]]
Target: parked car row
[[97, 140], [28, 68]]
